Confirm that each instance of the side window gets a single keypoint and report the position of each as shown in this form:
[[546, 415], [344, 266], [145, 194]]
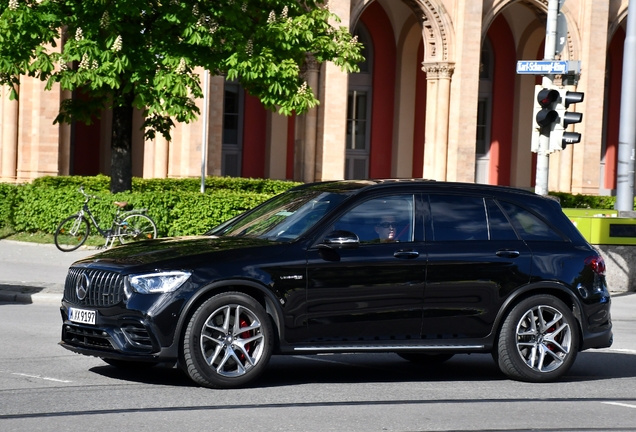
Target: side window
[[381, 220], [500, 228], [458, 218], [529, 226]]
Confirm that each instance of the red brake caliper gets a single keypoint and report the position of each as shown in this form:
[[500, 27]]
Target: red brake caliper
[[244, 335], [550, 346]]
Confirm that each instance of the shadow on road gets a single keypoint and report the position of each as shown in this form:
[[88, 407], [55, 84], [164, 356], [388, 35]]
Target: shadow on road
[[12, 293], [369, 368]]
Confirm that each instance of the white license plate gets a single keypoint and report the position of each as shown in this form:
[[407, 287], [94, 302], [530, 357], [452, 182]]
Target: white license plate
[[83, 316]]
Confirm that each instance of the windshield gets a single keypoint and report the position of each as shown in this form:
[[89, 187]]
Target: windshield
[[284, 217]]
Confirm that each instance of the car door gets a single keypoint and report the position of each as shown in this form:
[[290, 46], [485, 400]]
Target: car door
[[475, 259], [373, 292]]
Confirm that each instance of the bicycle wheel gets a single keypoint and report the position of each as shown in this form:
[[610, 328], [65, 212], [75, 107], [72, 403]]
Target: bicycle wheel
[[136, 227], [71, 233]]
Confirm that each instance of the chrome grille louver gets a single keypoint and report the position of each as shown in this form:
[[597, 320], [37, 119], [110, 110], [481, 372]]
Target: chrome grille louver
[[106, 288]]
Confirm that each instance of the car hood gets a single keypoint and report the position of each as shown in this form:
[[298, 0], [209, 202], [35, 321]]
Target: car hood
[[170, 248]]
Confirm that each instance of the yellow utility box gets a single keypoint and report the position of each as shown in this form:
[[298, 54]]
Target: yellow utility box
[[603, 227]]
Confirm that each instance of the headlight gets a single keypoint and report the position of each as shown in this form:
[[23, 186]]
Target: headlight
[[160, 282]]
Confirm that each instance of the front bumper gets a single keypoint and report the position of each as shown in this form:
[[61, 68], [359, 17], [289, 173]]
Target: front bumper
[[118, 334]]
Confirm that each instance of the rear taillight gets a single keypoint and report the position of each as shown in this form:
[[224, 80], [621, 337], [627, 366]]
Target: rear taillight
[[596, 263]]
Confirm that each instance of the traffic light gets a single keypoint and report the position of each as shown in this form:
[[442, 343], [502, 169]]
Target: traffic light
[[546, 99], [559, 137], [545, 114]]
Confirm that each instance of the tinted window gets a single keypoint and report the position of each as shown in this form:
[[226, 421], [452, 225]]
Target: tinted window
[[458, 218], [527, 225], [282, 218], [387, 218], [500, 228]]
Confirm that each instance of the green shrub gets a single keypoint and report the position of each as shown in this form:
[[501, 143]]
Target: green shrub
[[585, 201], [176, 205], [7, 203], [212, 184]]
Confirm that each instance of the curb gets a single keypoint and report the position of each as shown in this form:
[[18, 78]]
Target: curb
[[41, 298]]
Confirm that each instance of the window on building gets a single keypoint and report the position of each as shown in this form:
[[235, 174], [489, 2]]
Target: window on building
[[232, 150], [359, 113]]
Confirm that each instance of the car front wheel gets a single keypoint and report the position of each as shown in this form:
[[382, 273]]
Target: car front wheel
[[228, 341], [539, 340]]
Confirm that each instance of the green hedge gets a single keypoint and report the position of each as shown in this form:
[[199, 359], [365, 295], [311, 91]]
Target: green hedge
[[102, 183], [177, 206], [585, 201], [7, 200]]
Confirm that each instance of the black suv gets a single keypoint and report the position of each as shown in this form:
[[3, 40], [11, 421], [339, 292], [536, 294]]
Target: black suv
[[421, 268]]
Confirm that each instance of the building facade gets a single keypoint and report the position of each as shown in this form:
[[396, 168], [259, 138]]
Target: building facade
[[438, 97]]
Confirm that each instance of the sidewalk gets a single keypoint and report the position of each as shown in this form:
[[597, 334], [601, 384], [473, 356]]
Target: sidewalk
[[33, 272]]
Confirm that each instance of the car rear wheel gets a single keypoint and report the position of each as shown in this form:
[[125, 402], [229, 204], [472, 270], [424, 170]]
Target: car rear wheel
[[426, 359], [539, 340], [228, 341]]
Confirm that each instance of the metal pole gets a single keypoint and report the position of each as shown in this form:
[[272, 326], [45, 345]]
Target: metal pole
[[627, 132], [543, 161], [204, 137]]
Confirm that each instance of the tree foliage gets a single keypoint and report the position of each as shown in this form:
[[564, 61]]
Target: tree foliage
[[141, 52]]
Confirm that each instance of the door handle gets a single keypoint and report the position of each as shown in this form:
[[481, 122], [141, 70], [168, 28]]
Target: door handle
[[505, 253], [406, 254]]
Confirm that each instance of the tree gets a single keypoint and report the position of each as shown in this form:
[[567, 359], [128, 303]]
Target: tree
[[127, 54]]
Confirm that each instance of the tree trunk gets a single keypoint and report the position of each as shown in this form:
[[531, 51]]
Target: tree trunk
[[121, 147]]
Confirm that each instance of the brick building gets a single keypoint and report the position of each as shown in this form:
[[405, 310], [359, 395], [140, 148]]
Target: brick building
[[438, 97]]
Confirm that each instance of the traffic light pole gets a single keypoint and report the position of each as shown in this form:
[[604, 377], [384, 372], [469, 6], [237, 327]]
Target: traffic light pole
[[541, 186], [627, 133]]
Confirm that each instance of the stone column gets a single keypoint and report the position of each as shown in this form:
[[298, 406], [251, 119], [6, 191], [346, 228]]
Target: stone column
[[160, 162], [438, 81], [308, 147], [464, 98], [276, 153], [332, 111], [9, 137], [586, 174]]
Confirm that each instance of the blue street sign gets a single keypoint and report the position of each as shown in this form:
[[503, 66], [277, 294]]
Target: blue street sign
[[548, 67]]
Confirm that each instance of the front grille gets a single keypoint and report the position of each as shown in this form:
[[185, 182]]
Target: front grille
[[89, 338], [105, 288]]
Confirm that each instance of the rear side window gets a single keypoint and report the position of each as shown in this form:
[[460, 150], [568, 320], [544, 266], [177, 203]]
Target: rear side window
[[457, 218], [500, 228], [527, 225]]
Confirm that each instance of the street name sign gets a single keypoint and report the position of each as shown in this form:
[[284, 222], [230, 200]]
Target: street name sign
[[548, 67]]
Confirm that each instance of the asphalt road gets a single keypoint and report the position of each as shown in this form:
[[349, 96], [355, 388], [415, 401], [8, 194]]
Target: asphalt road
[[46, 388]]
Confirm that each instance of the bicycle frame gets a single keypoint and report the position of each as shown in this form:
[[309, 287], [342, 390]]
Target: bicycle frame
[[109, 234]]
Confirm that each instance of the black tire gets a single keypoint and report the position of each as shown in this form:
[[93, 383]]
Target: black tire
[[130, 365], [71, 233], [539, 340], [215, 353], [136, 227], [426, 359]]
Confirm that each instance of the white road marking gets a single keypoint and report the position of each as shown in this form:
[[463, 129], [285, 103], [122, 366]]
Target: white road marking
[[41, 377], [620, 404], [615, 350]]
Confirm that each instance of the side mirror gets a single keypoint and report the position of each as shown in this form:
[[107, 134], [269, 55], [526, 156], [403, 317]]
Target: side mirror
[[340, 239]]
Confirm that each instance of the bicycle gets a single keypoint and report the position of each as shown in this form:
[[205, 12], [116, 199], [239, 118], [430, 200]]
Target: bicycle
[[127, 226]]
